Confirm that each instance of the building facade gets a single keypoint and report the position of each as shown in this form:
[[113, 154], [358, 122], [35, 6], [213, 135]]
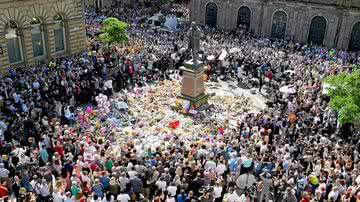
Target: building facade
[[333, 23], [37, 30], [99, 4]]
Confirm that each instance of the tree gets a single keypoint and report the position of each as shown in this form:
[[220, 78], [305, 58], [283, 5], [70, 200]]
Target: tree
[[113, 31], [344, 93]]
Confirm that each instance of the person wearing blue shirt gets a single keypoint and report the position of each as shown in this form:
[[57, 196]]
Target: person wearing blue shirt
[[43, 154], [98, 188], [16, 97], [24, 108], [263, 68], [3, 125], [233, 163], [182, 196], [105, 181]]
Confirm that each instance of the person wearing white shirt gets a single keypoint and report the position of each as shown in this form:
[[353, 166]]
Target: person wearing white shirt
[[132, 173], [161, 184], [44, 189], [220, 169], [172, 189], [123, 181], [217, 191], [170, 198], [57, 197], [123, 197], [202, 152], [210, 165], [232, 196], [108, 87]]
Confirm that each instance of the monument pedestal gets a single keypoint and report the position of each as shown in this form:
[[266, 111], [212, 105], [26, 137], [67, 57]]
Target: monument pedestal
[[192, 87]]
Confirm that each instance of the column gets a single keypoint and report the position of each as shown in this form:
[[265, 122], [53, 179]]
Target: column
[[28, 54]]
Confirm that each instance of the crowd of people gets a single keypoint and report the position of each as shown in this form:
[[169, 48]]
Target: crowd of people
[[58, 142]]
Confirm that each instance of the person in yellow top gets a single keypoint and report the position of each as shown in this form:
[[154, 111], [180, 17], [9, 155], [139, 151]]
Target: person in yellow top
[[314, 181]]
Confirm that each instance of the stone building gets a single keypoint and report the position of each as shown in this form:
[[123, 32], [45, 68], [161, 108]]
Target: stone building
[[333, 23], [99, 4], [37, 30]]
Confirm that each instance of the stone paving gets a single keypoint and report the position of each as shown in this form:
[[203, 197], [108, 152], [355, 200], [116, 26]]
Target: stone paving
[[231, 87]]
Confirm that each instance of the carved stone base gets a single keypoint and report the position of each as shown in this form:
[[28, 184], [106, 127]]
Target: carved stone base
[[192, 87], [196, 102], [192, 82]]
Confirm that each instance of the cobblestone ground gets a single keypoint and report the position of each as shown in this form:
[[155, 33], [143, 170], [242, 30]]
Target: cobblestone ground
[[230, 87]]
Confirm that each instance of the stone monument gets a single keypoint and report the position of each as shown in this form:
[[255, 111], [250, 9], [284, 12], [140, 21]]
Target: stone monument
[[192, 87]]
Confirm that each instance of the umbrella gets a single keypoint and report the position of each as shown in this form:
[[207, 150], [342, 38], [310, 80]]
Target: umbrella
[[288, 89]]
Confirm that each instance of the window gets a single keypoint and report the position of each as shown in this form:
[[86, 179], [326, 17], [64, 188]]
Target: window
[[59, 33], [279, 24], [37, 37], [211, 14], [13, 43], [354, 44], [317, 30], [244, 16]]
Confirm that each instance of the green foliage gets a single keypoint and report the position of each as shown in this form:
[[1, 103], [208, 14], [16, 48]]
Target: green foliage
[[113, 31], [344, 92]]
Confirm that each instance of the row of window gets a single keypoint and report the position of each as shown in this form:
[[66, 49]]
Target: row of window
[[14, 39], [279, 25]]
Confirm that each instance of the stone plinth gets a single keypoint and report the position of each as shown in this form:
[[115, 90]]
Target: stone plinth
[[192, 81], [192, 87]]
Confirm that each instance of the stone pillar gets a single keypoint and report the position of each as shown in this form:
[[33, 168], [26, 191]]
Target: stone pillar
[[51, 39], [260, 32], [4, 58], [192, 10], [28, 54], [192, 83], [76, 36], [339, 25], [192, 86]]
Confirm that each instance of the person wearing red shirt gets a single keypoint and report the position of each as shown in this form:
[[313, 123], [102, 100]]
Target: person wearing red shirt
[[59, 149], [269, 74], [3, 190]]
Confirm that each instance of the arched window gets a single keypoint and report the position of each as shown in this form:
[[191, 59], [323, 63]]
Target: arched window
[[37, 36], [279, 24], [354, 44], [317, 30], [244, 16], [211, 14], [59, 33], [13, 42]]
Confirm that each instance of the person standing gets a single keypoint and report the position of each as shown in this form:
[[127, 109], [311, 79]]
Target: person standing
[[267, 182], [238, 73], [16, 186], [260, 76], [3, 190], [218, 189], [269, 74]]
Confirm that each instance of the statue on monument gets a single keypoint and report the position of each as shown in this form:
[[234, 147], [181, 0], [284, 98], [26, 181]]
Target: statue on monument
[[194, 43]]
